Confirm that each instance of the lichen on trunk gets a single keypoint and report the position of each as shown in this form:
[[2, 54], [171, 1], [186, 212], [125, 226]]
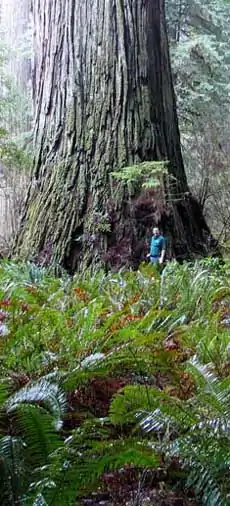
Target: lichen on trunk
[[104, 99]]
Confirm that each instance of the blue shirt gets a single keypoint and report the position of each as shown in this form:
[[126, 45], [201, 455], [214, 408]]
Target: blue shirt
[[158, 243]]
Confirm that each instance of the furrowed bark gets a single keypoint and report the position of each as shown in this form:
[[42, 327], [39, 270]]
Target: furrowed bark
[[103, 99]]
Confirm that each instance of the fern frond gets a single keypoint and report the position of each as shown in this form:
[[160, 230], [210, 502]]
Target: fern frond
[[146, 403], [12, 467], [42, 392], [4, 392], [38, 432], [40, 501], [206, 462], [83, 466], [205, 486]]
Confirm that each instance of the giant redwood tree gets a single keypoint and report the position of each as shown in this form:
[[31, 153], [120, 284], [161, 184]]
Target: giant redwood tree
[[103, 100]]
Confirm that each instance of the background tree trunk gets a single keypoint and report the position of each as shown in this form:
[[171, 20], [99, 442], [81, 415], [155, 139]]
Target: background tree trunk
[[103, 100], [15, 24]]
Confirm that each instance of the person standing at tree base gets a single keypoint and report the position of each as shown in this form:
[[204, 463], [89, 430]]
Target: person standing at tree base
[[157, 247]]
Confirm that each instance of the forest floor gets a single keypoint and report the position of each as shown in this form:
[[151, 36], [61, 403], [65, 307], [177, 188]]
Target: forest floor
[[118, 386]]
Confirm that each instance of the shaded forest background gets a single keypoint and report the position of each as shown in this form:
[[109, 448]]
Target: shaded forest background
[[199, 43]]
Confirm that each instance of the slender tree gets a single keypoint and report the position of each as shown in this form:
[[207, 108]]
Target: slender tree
[[104, 99], [15, 38]]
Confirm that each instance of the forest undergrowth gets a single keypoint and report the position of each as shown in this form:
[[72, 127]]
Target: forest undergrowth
[[115, 389]]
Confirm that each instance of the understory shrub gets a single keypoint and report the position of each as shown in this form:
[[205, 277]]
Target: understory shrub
[[114, 384]]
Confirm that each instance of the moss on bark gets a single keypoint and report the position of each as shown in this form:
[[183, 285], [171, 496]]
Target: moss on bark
[[103, 100]]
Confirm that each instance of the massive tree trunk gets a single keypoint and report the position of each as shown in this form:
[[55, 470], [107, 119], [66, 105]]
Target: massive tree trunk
[[104, 99]]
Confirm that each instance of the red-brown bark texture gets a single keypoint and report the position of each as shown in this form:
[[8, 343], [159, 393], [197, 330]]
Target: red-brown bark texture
[[103, 100]]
